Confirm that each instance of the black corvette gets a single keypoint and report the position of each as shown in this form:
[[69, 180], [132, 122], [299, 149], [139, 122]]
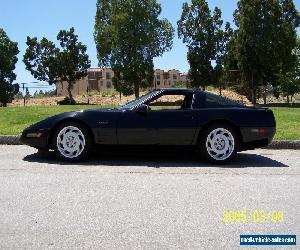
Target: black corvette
[[215, 126]]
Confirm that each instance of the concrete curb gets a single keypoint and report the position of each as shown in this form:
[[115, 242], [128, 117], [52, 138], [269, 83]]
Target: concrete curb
[[10, 140], [284, 145], [15, 140]]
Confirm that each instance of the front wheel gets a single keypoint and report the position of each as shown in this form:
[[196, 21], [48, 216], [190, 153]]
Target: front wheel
[[219, 143], [72, 141]]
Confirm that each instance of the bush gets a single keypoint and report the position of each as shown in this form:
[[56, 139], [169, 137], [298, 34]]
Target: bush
[[180, 84], [67, 101]]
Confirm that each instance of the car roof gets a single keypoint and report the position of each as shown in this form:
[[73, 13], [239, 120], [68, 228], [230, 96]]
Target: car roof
[[177, 90]]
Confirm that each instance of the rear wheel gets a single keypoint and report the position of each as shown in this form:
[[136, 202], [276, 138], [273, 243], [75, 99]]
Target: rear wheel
[[219, 143], [72, 141]]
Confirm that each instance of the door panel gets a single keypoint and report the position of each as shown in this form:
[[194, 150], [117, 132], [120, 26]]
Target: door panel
[[103, 125], [136, 128], [174, 127], [157, 127]]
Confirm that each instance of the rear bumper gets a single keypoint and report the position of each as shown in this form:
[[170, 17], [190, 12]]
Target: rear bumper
[[257, 137], [40, 142]]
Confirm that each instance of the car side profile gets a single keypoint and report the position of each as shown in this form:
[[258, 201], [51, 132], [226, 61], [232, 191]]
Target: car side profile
[[216, 127]]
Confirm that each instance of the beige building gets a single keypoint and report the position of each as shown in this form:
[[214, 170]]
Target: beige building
[[184, 78], [99, 79], [166, 79], [96, 80]]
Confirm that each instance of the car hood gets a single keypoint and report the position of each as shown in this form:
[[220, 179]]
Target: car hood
[[49, 122]]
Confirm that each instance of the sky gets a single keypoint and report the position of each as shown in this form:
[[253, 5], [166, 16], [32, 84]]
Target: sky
[[22, 18]]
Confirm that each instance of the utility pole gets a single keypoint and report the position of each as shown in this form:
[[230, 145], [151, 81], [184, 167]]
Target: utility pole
[[24, 95], [88, 93]]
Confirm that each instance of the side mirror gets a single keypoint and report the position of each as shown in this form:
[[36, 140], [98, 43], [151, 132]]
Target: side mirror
[[143, 108]]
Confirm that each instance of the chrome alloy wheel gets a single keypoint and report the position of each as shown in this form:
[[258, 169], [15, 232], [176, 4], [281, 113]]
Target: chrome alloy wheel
[[220, 144], [70, 142]]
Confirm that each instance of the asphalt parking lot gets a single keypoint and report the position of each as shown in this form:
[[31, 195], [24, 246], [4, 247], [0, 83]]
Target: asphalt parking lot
[[118, 201]]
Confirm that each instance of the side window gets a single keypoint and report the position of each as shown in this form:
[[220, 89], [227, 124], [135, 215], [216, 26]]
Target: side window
[[171, 102], [214, 101], [91, 75]]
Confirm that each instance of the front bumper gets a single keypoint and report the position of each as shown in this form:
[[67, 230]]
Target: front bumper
[[37, 138]]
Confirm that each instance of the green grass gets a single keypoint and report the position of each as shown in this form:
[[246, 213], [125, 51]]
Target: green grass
[[288, 123], [14, 119]]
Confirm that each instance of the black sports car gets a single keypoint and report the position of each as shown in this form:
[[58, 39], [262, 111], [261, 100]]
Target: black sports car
[[215, 126]]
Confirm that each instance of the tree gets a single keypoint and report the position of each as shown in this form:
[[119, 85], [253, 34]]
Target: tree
[[19, 95], [289, 86], [266, 36], [52, 64], [38, 94], [297, 53], [27, 93], [289, 82], [8, 59], [202, 32], [128, 35], [35, 94], [50, 93], [223, 43]]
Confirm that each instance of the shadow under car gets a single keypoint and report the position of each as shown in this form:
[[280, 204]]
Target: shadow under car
[[174, 158]]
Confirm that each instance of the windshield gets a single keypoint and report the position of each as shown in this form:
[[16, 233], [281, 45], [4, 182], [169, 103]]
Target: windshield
[[132, 104]]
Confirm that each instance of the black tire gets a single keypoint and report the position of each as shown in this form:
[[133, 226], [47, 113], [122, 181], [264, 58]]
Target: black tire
[[83, 139], [228, 142]]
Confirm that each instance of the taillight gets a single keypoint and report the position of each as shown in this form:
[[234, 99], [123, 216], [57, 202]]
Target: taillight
[[261, 131]]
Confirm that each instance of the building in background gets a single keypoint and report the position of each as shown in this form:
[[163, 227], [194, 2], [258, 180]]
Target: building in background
[[165, 79], [184, 78], [99, 79], [96, 80]]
